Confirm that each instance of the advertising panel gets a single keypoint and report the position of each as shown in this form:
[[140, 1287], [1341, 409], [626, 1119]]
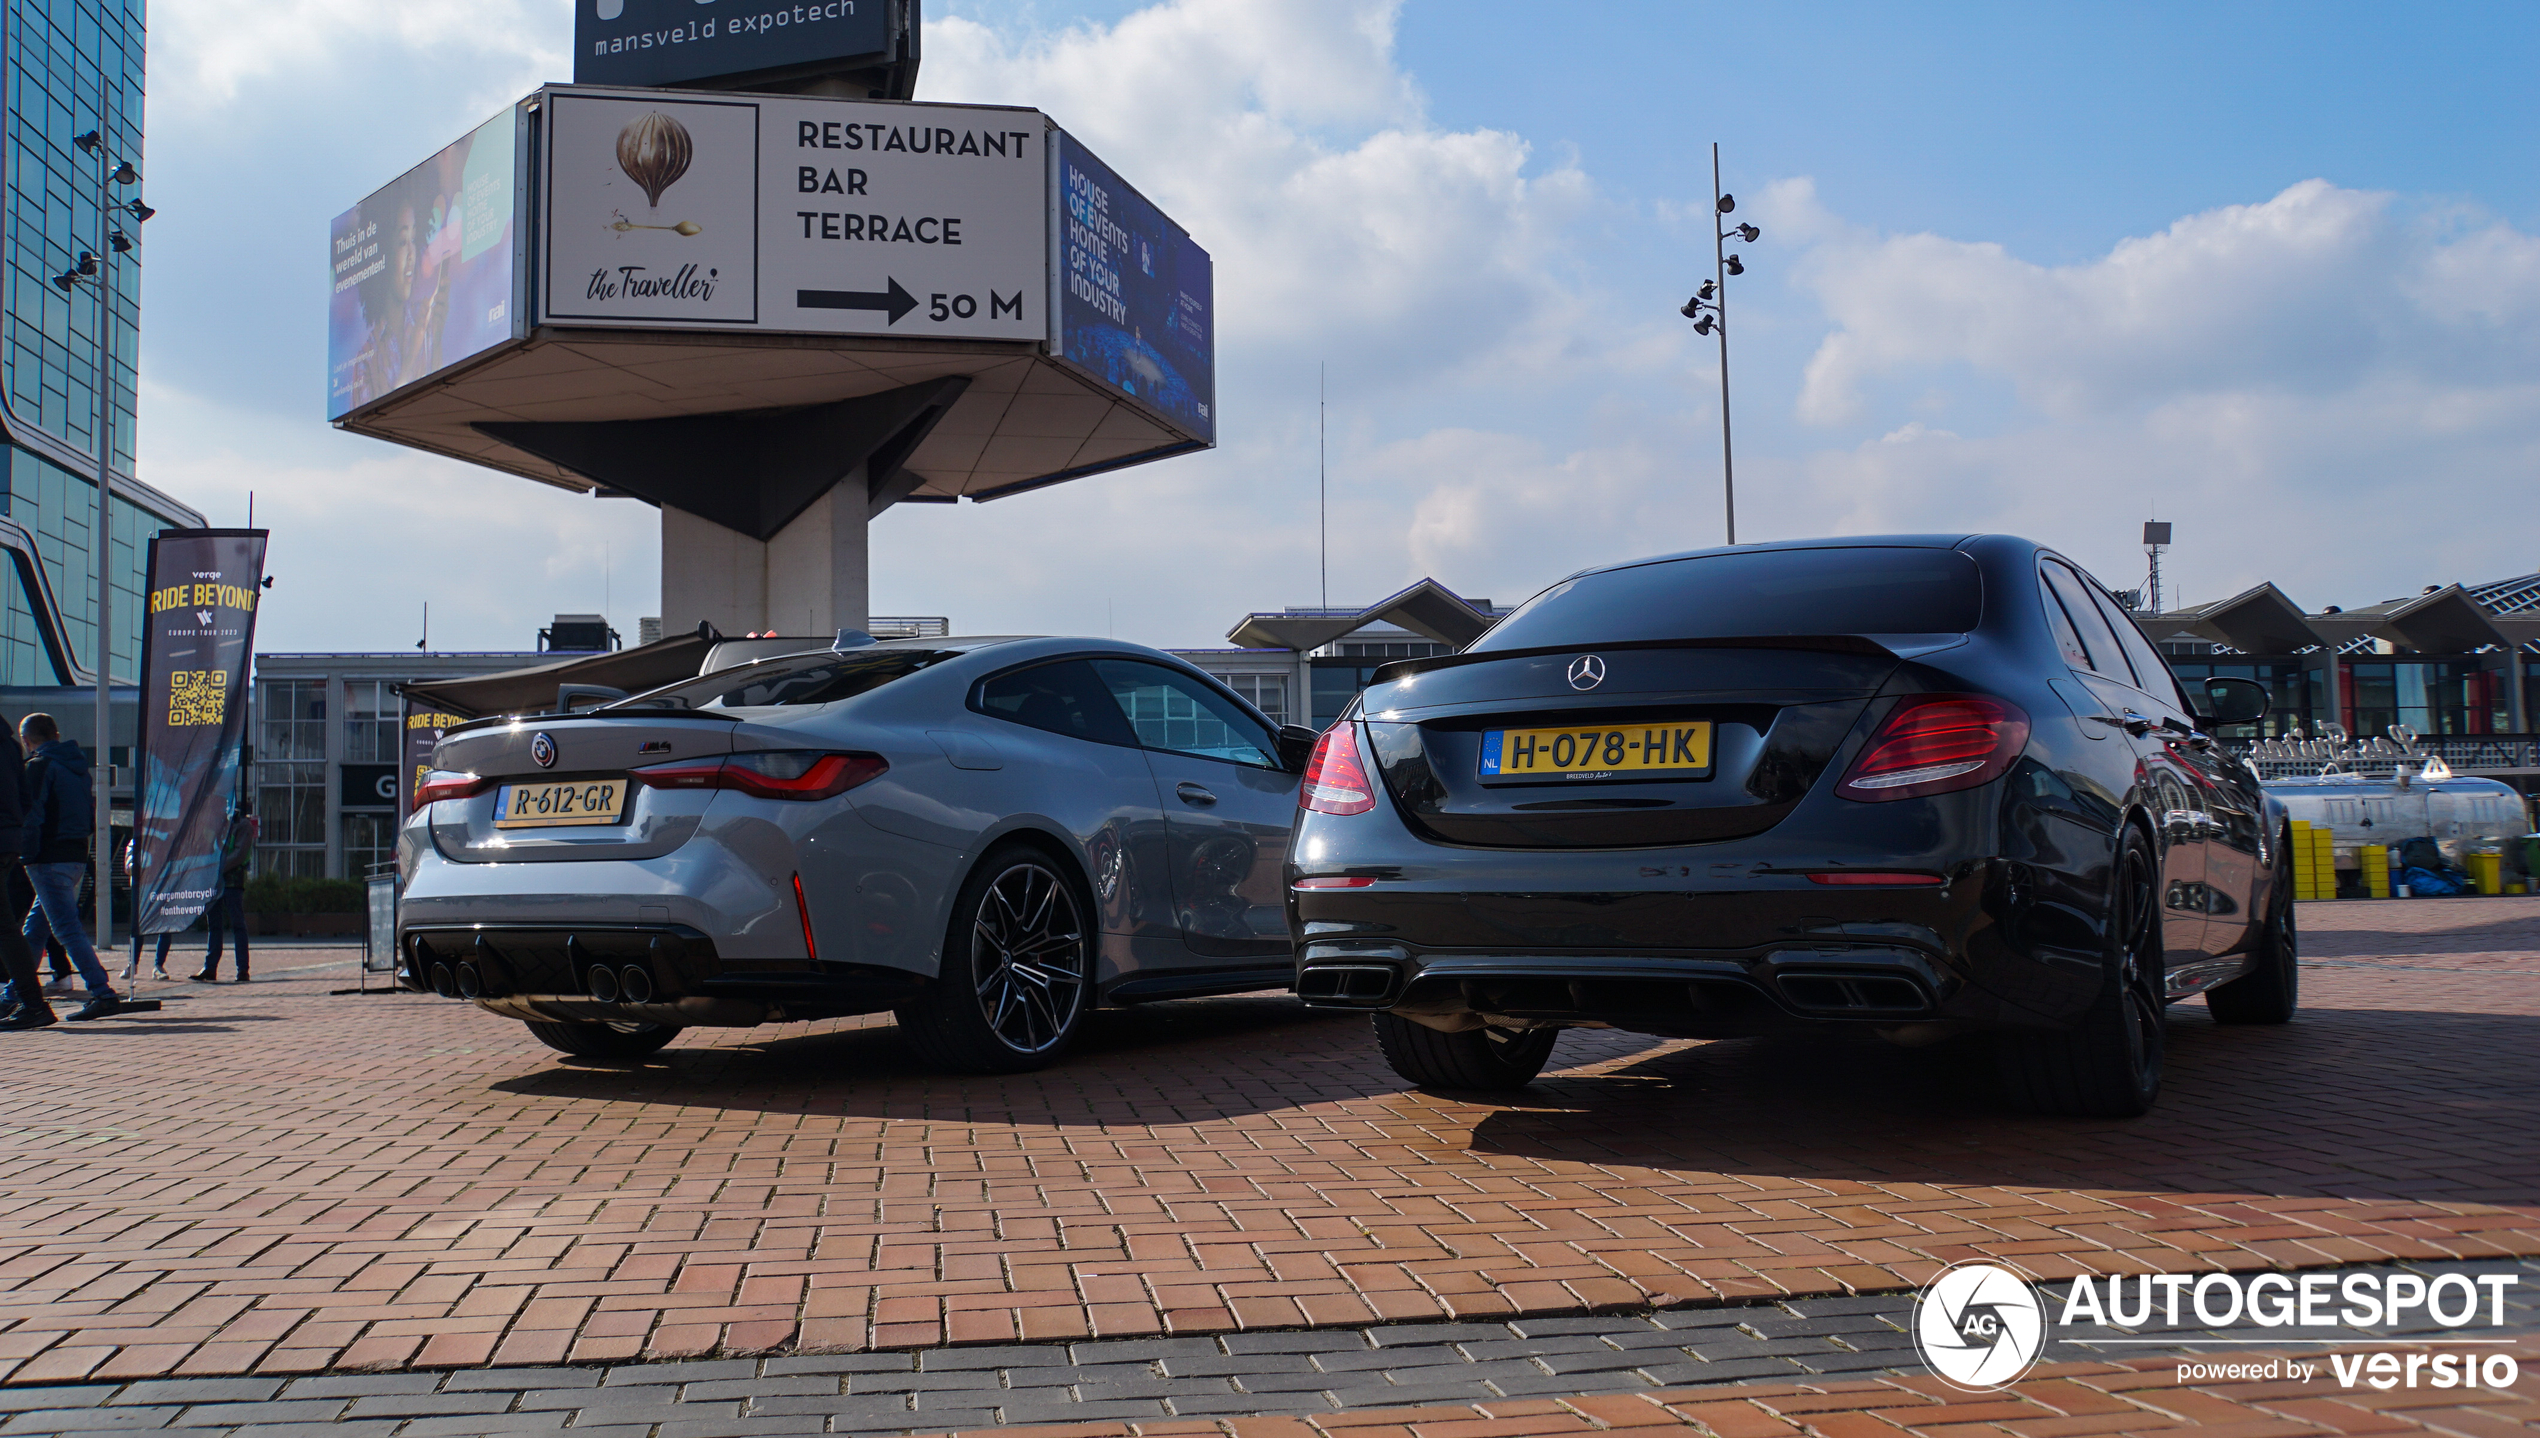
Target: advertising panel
[[423, 271], [424, 727], [1135, 306], [675, 42], [204, 584], [810, 215]]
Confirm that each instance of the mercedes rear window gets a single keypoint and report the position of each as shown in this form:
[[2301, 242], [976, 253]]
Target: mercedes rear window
[[823, 678], [1753, 594]]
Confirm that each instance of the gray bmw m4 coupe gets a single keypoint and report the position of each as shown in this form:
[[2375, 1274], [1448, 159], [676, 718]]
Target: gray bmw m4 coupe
[[986, 837]]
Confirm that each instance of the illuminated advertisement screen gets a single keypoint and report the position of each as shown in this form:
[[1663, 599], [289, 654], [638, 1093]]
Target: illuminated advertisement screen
[[1134, 298], [423, 270]]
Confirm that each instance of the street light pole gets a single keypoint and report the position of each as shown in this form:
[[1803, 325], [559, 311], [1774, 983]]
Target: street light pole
[[97, 267], [1709, 311], [1720, 276]]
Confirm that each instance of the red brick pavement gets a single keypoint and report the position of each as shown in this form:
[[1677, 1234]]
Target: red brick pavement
[[267, 1179], [2053, 1402]]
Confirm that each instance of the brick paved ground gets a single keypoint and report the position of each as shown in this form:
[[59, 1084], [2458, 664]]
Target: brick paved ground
[[2063, 1400], [269, 1180], [1737, 1356]]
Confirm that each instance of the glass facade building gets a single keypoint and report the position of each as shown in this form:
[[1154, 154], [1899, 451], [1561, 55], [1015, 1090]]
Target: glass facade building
[[70, 66]]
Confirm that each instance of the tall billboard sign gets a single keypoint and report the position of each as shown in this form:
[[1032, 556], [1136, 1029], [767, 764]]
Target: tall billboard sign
[[805, 215], [1134, 296], [198, 634], [681, 42], [425, 270]]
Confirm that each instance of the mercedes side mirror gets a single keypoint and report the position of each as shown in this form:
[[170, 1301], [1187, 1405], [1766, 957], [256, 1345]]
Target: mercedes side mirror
[[2231, 701], [1296, 745]]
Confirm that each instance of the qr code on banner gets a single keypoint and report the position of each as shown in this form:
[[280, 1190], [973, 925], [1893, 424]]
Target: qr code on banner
[[197, 696]]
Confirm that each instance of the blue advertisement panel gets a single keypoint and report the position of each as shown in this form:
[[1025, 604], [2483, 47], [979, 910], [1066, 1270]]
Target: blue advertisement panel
[[423, 270], [1134, 310]]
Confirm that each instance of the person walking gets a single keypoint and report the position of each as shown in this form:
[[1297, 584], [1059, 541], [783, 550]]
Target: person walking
[[159, 964], [22, 1002], [59, 815], [237, 851]]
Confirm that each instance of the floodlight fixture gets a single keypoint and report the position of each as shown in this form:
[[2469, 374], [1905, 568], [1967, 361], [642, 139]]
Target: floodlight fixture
[[93, 141], [120, 242], [125, 174], [1734, 265], [1704, 325], [1748, 233], [1726, 203], [140, 212]]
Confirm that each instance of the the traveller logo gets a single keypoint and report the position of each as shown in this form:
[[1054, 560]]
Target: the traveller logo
[[1979, 1327]]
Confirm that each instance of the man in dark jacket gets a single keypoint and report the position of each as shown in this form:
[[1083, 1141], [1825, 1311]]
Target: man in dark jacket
[[237, 852], [22, 1004], [54, 831]]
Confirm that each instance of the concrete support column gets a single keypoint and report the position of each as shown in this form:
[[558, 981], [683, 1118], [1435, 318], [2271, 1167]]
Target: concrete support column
[[810, 578]]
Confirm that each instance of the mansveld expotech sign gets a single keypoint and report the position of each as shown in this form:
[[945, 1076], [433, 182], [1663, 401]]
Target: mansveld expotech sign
[[673, 42]]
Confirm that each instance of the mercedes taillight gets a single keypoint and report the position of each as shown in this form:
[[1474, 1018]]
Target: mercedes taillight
[[1937, 743], [1335, 777]]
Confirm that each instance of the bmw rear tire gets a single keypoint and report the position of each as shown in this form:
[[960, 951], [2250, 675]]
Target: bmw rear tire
[[1018, 969], [604, 1040], [1484, 1058]]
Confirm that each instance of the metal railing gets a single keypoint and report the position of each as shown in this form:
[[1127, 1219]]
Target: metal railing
[[2400, 750]]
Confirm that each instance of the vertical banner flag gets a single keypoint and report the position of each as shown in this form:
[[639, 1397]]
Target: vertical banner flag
[[423, 728], [195, 643]]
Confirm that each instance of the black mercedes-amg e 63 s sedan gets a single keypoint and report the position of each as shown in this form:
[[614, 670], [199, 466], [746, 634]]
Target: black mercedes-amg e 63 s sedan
[[1922, 785]]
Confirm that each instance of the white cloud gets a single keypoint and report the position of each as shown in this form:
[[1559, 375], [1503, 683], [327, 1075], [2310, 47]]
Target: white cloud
[[1298, 154], [206, 54]]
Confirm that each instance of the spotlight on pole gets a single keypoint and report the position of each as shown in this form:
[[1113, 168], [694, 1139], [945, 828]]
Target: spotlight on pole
[[1708, 309]]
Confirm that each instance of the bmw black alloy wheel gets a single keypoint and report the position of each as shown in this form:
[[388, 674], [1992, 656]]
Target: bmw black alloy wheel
[[1029, 955]]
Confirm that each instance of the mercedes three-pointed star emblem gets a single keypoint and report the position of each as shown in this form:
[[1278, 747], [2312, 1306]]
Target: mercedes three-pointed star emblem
[[1586, 672]]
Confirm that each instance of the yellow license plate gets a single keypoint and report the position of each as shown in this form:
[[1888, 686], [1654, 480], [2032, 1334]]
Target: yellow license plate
[[1593, 751], [560, 802]]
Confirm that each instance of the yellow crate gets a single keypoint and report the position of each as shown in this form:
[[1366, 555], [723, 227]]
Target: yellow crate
[[2374, 859], [2487, 873]]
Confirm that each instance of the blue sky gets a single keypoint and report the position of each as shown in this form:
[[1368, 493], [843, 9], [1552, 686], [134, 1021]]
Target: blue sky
[[2266, 271]]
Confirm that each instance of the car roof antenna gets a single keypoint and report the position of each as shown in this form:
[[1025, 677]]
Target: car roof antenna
[[853, 639]]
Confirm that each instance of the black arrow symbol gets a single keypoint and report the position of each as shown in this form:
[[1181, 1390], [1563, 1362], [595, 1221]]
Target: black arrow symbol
[[896, 300]]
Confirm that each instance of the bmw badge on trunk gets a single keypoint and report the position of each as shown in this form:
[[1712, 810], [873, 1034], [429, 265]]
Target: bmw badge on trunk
[[542, 750]]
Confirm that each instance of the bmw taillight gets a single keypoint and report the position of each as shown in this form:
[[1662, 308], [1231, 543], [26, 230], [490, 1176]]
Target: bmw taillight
[[782, 774], [1335, 777], [1937, 743], [439, 784]]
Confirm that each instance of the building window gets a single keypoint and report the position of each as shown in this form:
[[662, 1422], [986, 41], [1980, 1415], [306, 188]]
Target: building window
[[370, 842], [291, 776], [1391, 649], [370, 722], [2431, 696], [1335, 684], [1265, 692]]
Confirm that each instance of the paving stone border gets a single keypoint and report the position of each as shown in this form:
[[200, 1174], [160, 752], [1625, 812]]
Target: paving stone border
[[1237, 1375]]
